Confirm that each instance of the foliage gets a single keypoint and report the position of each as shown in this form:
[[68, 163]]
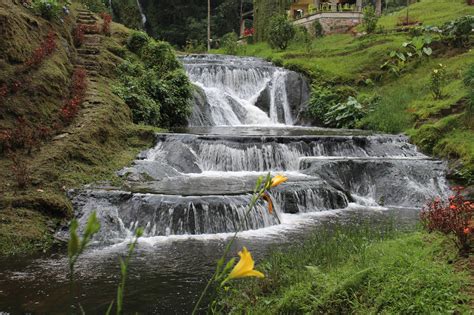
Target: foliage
[[352, 270], [20, 170], [454, 216], [195, 47], [469, 83], [370, 19], [229, 43], [48, 9], [77, 92], [78, 35], [318, 30], [155, 87], [344, 114], [46, 48], [137, 40], [107, 18], [417, 48], [280, 32], [437, 81], [335, 106], [123, 273], [96, 6], [76, 244], [458, 31]]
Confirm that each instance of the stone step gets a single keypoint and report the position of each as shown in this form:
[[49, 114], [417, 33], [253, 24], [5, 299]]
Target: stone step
[[92, 73], [88, 51], [86, 21]]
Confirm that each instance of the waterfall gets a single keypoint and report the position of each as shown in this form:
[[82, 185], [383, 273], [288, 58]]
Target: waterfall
[[240, 91], [142, 14], [201, 180]]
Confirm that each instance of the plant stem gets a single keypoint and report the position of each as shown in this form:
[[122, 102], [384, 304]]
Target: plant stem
[[252, 204]]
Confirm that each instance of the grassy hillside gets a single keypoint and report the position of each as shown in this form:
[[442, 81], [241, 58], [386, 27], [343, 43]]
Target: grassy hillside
[[405, 103], [98, 141]]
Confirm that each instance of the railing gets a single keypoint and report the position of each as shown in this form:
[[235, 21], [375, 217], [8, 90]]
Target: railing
[[329, 8]]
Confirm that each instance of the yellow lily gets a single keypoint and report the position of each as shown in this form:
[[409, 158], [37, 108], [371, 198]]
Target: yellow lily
[[244, 267], [268, 199], [278, 179]]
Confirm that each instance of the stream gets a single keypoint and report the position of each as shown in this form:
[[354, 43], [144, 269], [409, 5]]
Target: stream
[[189, 193]]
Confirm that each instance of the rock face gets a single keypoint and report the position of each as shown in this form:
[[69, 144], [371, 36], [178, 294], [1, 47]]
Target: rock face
[[201, 115], [298, 91]]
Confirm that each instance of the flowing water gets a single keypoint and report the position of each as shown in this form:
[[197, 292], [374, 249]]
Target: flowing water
[[189, 192]]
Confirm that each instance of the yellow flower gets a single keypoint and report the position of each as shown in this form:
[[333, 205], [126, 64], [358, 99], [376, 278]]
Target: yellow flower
[[278, 179], [435, 70], [244, 267]]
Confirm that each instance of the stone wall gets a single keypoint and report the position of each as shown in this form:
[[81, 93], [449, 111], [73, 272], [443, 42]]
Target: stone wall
[[332, 22]]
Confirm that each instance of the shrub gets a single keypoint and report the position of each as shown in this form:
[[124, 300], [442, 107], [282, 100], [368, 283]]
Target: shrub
[[318, 29], [438, 78], [20, 170], [48, 9], [106, 25], [94, 5], [459, 30], [454, 216], [77, 92], [159, 55], [370, 19], [158, 94], [230, 43], [469, 83], [344, 114], [195, 47], [78, 35], [137, 40], [47, 47], [280, 32]]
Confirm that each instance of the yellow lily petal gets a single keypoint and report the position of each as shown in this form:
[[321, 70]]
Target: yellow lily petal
[[244, 267], [278, 179]]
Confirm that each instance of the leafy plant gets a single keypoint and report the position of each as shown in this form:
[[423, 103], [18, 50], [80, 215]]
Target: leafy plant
[[459, 30], [78, 35], [46, 48], [137, 40], [48, 9], [454, 216], [94, 5], [280, 32], [438, 79], [107, 18], [77, 92], [370, 19], [344, 114], [230, 43], [318, 29]]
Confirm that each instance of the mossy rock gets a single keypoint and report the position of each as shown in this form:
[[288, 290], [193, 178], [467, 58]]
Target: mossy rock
[[44, 202]]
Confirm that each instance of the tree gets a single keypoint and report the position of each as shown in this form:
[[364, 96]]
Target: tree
[[378, 7], [281, 31]]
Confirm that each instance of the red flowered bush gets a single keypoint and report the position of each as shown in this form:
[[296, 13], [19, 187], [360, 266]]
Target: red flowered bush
[[47, 47], [78, 35], [454, 216], [106, 25], [249, 31], [78, 91]]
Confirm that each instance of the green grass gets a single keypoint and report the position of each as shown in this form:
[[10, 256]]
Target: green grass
[[354, 271]]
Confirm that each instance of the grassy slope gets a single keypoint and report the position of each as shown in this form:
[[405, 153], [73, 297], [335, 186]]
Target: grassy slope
[[354, 272], [99, 141], [406, 102]]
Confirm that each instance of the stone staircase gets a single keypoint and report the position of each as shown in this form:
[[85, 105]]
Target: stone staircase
[[88, 55]]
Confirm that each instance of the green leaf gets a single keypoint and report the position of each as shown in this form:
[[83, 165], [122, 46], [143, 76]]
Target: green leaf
[[73, 244], [109, 309], [428, 51]]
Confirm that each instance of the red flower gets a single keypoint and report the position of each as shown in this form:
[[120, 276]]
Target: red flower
[[467, 230]]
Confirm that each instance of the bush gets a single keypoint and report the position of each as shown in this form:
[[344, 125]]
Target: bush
[[195, 47], [437, 81], [107, 21], [48, 9], [344, 114], [155, 88], [370, 19], [454, 216], [229, 43], [459, 30], [137, 40], [318, 29], [95, 5], [47, 47], [280, 32]]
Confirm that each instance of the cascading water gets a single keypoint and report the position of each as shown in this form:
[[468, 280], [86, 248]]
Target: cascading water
[[242, 91], [200, 181], [142, 13]]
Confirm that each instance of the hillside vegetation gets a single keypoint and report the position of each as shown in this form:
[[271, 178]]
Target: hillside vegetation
[[402, 103], [62, 121]]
